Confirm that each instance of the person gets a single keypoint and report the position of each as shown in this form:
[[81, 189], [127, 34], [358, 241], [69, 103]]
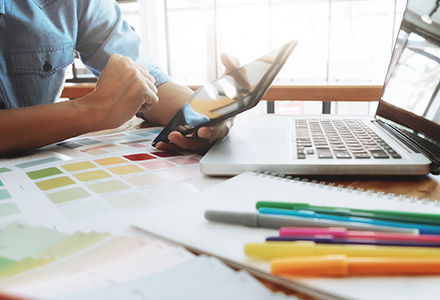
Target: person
[[37, 45]]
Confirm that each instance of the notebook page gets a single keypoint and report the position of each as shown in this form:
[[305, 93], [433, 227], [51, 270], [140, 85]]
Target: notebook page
[[184, 223]]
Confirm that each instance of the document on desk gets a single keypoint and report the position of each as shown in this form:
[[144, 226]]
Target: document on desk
[[95, 182], [38, 262], [185, 223], [198, 279], [41, 263]]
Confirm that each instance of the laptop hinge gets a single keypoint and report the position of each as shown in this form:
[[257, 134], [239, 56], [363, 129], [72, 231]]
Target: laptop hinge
[[415, 143]]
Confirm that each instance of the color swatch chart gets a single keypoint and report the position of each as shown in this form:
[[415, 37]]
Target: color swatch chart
[[96, 182], [40, 263]]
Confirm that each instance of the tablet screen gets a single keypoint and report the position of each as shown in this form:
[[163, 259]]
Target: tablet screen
[[228, 95]]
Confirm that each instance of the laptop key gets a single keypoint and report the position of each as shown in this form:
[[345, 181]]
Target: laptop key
[[304, 140], [302, 132], [379, 154], [361, 155], [342, 154], [356, 149], [300, 155], [321, 145], [324, 153], [304, 144], [310, 151]]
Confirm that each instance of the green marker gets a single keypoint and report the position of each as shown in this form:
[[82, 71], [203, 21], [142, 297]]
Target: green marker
[[408, 217]]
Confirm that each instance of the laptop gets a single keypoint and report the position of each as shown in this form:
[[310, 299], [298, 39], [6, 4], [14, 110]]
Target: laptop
[[403, 137]]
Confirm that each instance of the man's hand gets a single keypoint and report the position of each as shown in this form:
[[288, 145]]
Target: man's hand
[[123, 89], [201, 143], [206, 136]]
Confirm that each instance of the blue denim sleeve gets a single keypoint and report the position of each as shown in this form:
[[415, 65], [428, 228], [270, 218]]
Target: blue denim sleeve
[[103, 32]]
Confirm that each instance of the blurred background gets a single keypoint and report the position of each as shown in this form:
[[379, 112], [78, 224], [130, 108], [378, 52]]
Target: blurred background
[[340, 41]]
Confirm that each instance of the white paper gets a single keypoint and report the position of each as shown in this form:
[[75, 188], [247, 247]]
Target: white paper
[[185, 224]]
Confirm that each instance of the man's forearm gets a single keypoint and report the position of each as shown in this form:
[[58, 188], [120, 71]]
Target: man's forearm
[[36, 126], [123, 89]]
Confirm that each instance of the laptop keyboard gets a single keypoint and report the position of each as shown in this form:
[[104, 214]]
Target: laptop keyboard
[[341, 139]]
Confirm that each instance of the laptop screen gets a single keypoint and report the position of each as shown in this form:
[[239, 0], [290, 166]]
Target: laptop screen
[[410, 97]]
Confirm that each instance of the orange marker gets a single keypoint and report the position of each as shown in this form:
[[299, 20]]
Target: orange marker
[[341, 265]]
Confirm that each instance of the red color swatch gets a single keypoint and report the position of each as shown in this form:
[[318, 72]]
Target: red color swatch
[[165, 154], [139, 156]]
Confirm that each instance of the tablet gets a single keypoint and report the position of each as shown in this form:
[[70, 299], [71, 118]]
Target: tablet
[[228, 95]]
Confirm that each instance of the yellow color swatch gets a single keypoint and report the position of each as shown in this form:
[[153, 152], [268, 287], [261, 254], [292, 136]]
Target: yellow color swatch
[[110, 161], [91, 175], [126, 169], [54, 183], [84, 165], [144, 180], [108, 187]]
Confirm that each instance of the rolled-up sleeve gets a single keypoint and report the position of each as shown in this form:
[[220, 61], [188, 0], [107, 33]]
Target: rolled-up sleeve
[[103, 32]]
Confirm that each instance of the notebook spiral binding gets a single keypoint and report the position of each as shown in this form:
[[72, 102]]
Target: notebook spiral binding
[[331, 185]]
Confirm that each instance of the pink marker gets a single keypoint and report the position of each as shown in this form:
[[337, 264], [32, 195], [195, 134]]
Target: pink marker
[[298, 231], [342, 232]]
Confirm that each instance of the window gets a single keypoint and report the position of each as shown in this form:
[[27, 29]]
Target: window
[[340, 41]]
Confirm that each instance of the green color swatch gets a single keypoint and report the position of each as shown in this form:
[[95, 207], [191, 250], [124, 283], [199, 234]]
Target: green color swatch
[[4, 194], [43, 173], [5, 261], [24, 247], [24, 265], [37, 162], [4, 170], [20, 240], [7, 209]]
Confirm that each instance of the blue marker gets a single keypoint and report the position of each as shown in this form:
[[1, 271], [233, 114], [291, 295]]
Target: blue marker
[[423, 229]]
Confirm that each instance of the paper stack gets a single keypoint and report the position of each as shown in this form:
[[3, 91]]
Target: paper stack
[[37, 262]]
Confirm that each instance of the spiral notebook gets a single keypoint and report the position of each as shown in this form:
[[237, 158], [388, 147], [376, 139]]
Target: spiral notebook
[[184, 223]]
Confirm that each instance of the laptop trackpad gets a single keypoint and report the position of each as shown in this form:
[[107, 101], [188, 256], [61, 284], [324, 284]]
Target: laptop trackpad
[[261, 135], [252, 145]]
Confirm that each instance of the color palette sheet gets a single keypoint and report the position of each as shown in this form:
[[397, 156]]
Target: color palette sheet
[[37, 262], [208, 279], [96, 183], [42, 262]]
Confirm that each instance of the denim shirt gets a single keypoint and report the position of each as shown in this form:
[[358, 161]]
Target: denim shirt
[[38, 38]]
